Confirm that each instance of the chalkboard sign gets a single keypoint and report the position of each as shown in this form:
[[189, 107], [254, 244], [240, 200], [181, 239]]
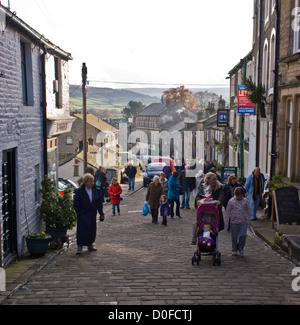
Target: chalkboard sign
[[226, 172], [287, 205]]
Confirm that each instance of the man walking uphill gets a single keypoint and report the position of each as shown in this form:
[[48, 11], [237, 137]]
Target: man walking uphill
[[254, 186], [130, 172]]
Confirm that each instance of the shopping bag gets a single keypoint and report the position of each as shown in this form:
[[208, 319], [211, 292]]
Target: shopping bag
[[146, 209]]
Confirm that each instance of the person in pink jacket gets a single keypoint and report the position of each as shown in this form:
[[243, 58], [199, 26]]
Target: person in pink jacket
[[115, 191], [237, 217]]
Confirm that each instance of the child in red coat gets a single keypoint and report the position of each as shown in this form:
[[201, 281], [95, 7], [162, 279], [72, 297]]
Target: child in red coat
[[115, 191]]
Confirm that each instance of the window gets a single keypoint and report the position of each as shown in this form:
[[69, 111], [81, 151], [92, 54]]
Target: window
[[26, 67], [296, 26], [57, 83], [265, 64], [76, 170], [272, 58], [267, 10], [69, 140]]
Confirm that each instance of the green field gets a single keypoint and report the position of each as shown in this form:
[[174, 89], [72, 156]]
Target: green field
[[108, 101]]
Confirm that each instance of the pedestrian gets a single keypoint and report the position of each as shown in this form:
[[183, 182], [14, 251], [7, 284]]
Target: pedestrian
[[131, 172], [164, 182], [237, 217], [167, 170], [87, 202], [97, 177], [187, 185], [164, 209], [199, 178], [103, 183], [211, 187], [214, 170], [115, 192], [254, 187], [229, 188], [173, 194], [155, 191]]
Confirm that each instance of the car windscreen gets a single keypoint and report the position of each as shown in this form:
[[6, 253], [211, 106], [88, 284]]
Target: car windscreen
[[155, 168]]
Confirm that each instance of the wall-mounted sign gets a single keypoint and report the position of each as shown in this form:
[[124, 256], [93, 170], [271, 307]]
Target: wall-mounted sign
[[244, 104], [223, 118]]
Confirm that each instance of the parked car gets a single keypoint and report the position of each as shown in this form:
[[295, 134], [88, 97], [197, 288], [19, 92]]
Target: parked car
[[62, 183], [152, 170], [168, 161]]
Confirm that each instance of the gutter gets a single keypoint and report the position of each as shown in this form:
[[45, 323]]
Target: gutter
[[47, 45]]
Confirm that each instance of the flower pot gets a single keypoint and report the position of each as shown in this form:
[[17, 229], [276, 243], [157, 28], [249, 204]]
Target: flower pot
[[38, 247], [56, 233]]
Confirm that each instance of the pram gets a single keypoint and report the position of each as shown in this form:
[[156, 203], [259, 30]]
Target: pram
[[207, 214]]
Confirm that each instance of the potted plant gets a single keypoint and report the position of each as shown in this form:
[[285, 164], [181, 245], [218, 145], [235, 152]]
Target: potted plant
[[57, 210], [37, 243]]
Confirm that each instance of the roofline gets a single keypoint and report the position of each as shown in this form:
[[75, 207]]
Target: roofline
[[248, 57], [51, 47]]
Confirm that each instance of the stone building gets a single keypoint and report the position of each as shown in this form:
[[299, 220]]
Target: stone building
[[249, 122], [171, 118], [288, 126], [99, 133], [34, 90]]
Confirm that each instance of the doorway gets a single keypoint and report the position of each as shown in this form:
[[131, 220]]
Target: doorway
[[9, 219]]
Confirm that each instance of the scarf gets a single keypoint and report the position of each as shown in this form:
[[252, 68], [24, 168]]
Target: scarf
[[257, 183]]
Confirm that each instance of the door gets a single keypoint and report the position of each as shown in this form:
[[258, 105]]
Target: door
[[9, 205]]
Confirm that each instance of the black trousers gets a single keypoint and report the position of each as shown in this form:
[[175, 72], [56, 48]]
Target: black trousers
[[154, 213], [172, 207]]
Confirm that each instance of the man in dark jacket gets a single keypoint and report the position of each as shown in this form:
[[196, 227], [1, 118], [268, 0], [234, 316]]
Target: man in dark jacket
[[104, 185], [187, 185], [130, 172]]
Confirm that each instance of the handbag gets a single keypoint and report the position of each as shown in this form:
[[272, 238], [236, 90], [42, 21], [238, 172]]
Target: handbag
[[146, 209], [98, 183]]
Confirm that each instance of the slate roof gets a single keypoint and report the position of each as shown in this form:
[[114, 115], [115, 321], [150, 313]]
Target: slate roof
[[157, 109]]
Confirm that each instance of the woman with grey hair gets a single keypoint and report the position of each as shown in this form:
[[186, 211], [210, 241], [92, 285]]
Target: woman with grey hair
[[212, 188], [87, 202], [155, 191]]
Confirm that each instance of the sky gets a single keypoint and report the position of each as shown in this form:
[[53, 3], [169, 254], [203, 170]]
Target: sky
[[152, 42]]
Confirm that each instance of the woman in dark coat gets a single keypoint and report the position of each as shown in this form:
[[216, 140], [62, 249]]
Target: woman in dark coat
[[155, 191], [212, 187], [87, 201]]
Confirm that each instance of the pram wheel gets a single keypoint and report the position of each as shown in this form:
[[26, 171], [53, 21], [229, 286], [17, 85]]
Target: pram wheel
[[196, 258], [217, 259]]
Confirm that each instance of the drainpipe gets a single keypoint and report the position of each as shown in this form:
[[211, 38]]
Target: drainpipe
[[261, 24], [276, 92], [44, 110]]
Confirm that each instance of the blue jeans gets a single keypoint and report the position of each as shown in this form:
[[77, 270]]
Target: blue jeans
[[238, 236], [131, 183], [114, 207], [253, 205], [186, 198]]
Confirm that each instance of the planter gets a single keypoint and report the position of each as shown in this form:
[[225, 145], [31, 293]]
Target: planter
[[38, 247], [57, 233]]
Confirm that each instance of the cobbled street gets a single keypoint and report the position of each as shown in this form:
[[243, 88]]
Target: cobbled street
[[140, 263]]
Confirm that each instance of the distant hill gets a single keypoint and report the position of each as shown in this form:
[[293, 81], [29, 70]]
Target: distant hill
[[107, 100], [206, 95]]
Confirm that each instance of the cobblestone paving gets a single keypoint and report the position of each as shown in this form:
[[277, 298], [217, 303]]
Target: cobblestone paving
[[140, 263]]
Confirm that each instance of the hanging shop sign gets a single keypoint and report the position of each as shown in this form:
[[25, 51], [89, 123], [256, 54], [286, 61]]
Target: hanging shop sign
[[223, 118], [244, 104]]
